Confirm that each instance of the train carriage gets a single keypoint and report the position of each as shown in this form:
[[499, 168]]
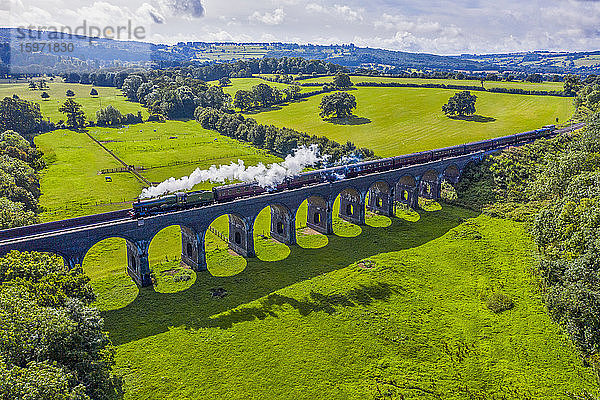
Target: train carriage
[[452, 151]]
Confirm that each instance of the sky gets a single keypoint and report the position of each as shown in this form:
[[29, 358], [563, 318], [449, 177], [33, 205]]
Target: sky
[[439, 27]]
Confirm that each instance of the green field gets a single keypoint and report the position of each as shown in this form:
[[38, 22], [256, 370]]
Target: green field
[[394, 121], [410, 322], [248, 83], [72, 186], [57, 90], [550, 86]]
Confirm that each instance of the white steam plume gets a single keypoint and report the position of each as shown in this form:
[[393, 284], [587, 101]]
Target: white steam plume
[[264, 175]]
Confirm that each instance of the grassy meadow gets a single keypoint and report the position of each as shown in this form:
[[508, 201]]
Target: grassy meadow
[[72, 186], [395, 307], [57, 91], [555, 86], [394, 121]]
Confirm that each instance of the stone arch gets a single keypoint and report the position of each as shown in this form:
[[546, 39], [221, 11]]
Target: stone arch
[[224, 244], [451, 173], [134, 256], [381, 198], [430, 184], [319, 215], [274, 229], [407, 191], [352, 205]]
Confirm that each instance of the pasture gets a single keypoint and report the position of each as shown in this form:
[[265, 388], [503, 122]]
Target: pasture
[[550, 86], [396, 306], [57, 91], [72, 186], [393, 121]]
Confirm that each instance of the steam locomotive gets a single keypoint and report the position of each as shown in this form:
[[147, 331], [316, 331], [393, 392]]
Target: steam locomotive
[[180, 201]]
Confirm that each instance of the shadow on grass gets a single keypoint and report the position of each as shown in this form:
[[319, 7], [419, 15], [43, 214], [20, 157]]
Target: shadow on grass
[[351, 120], [264, 109], [473, 118], [152, 313]]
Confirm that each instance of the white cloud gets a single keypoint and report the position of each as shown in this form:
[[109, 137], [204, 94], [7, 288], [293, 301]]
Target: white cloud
[[269, 18], [441, 26]]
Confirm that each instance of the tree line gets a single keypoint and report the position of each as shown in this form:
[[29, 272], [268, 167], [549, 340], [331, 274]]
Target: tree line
[[52, 342]]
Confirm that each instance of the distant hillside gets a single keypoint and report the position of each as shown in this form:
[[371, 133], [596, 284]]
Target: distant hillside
[[541, 61], [83, 53]]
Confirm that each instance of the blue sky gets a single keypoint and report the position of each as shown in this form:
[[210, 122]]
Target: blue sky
[[441, 27]]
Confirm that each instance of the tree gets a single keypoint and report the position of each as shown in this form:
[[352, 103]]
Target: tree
[[243, 100], [14, 214], [461, 104], [131, 85], [58, 348], [572, 84], [342, 81], [534, 78], [108, 116], [70, 93], [224, 81], [264, 95], [20, 116], [32, 85], [93, 92], [75, 116], [338, 104], [45, 95]]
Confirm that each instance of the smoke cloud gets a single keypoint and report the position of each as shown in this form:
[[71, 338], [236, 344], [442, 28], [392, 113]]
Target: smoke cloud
[[264, 175]]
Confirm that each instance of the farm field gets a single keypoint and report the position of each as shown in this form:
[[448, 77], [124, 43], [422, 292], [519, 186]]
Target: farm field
[[57, 90], [393, 121], [72, 186], [412, 320], [550, 86], [248, 83]]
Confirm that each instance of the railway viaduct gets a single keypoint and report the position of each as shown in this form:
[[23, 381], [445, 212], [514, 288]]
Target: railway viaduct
[[377, 192]]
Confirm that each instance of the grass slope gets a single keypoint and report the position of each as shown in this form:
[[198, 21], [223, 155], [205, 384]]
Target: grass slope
[[71, 185], [394, 121], [557, 86], [409, 322], [57, 90]]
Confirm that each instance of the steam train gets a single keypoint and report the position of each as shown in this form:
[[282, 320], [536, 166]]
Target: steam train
[[180, 201]]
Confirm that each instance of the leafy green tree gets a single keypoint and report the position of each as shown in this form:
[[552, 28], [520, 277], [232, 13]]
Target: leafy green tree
[[45, 95], [15, 146], [32, 85], [131, 85], [93, 92], [20, 116], [244, 100], [143, 91], [572, 84], [264, 95], [224, 81], [534, 78], [70, 93], [462, 103], [15, 214], [214, 97], [342, 81], [51, 341], [340, 105], [74, 113], [108, 116]]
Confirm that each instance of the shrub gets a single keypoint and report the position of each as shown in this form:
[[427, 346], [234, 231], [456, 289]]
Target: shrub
[[499, 302]]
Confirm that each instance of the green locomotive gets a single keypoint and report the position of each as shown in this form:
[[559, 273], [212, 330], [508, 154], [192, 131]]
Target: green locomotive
[[172, 202]]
